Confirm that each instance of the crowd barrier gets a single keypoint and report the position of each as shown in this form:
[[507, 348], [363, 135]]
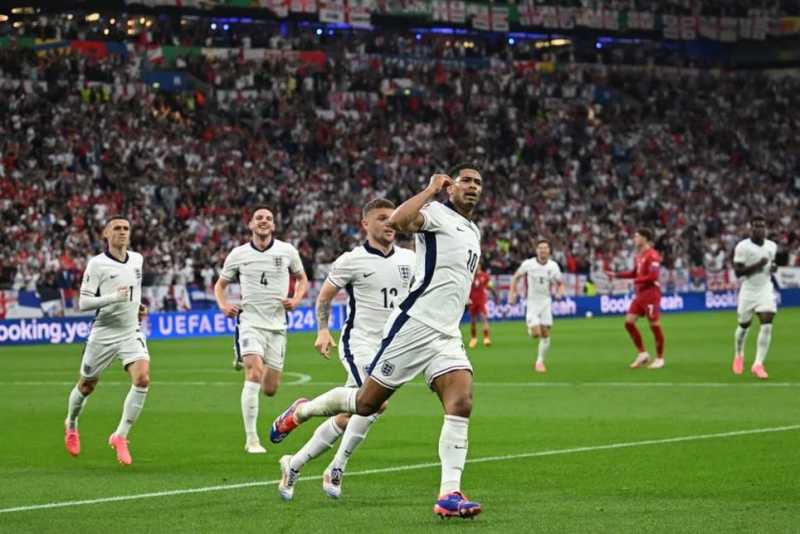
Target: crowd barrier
[[173, 325]]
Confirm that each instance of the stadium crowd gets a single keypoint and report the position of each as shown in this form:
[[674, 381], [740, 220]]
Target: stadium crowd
[[580, 155]]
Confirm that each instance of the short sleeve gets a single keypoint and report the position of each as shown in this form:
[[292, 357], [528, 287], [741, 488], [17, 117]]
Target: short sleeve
[[433, 216], [341, 271], [230, 269], [295, 263], [740, 254]]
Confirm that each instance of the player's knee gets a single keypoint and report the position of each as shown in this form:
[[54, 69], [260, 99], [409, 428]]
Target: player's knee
[[86, 387], [342, 419], [270, 389], [744, 326], [383, 407], [252, 375], [142, 381], [367, 407], [460, 406]]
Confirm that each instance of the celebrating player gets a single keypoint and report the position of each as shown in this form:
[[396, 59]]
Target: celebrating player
[[376, 277], [112, 285], [541, 273], [648, 298], [422, 334], [262, 268], [481, 284], [753, 261]]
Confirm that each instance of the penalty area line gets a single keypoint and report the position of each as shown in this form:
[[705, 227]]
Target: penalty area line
[[399, 468]]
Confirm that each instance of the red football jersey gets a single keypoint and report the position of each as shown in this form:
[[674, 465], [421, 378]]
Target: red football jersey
[[645, 275], [479, 286]]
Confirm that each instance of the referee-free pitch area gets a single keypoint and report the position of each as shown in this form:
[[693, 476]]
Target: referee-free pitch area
[[590, 447]]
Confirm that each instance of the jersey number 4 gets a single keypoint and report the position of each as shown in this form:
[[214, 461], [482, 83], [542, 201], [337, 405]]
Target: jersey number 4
[[264, 279]]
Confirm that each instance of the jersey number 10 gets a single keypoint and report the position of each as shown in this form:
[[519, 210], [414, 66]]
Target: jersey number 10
[[472, 261]]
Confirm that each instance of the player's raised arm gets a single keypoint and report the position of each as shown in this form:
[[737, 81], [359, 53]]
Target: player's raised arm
[[324, 340], [407, 217]]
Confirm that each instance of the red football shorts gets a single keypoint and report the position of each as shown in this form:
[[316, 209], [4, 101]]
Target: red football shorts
[[477, 307], [647, 305]]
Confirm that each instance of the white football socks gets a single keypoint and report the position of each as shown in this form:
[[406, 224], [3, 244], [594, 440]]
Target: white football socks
[[250, 392], [453, 452], [336, 401], [762, 344], [323, 439], [134, 403], [739, 340], [356, 431], [544, 346], [74, 407]]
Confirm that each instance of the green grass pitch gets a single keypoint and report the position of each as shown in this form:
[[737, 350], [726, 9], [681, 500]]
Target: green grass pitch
[[582, 449]]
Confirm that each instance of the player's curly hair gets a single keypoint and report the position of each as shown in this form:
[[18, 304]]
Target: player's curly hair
[[455, 170]]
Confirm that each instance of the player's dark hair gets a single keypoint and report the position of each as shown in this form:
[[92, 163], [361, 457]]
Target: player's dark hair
[[454, 171], [758, 218], [116, 218], [257, 207], [375, 204], [646, 233], [545, 241]]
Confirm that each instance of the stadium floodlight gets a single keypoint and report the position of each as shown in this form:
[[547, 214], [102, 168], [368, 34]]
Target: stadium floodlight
[[92, 17], [3, 18]]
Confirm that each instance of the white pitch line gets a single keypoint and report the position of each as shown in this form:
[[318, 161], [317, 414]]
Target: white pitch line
[[411, 467], [305, 380]]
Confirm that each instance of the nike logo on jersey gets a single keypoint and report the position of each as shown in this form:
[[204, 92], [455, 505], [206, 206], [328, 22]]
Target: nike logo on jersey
[[113, 276], [367, 275], [461, 229]]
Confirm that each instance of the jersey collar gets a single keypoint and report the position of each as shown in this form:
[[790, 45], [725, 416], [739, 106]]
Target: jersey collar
[[372, 250], [107, 253], [271, 242], [452, 207]]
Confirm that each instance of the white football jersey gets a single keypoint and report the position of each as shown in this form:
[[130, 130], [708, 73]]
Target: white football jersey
[[375, 284], [448, 249], [748, 253], [105, 274], [264, 279], [540, 278]]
